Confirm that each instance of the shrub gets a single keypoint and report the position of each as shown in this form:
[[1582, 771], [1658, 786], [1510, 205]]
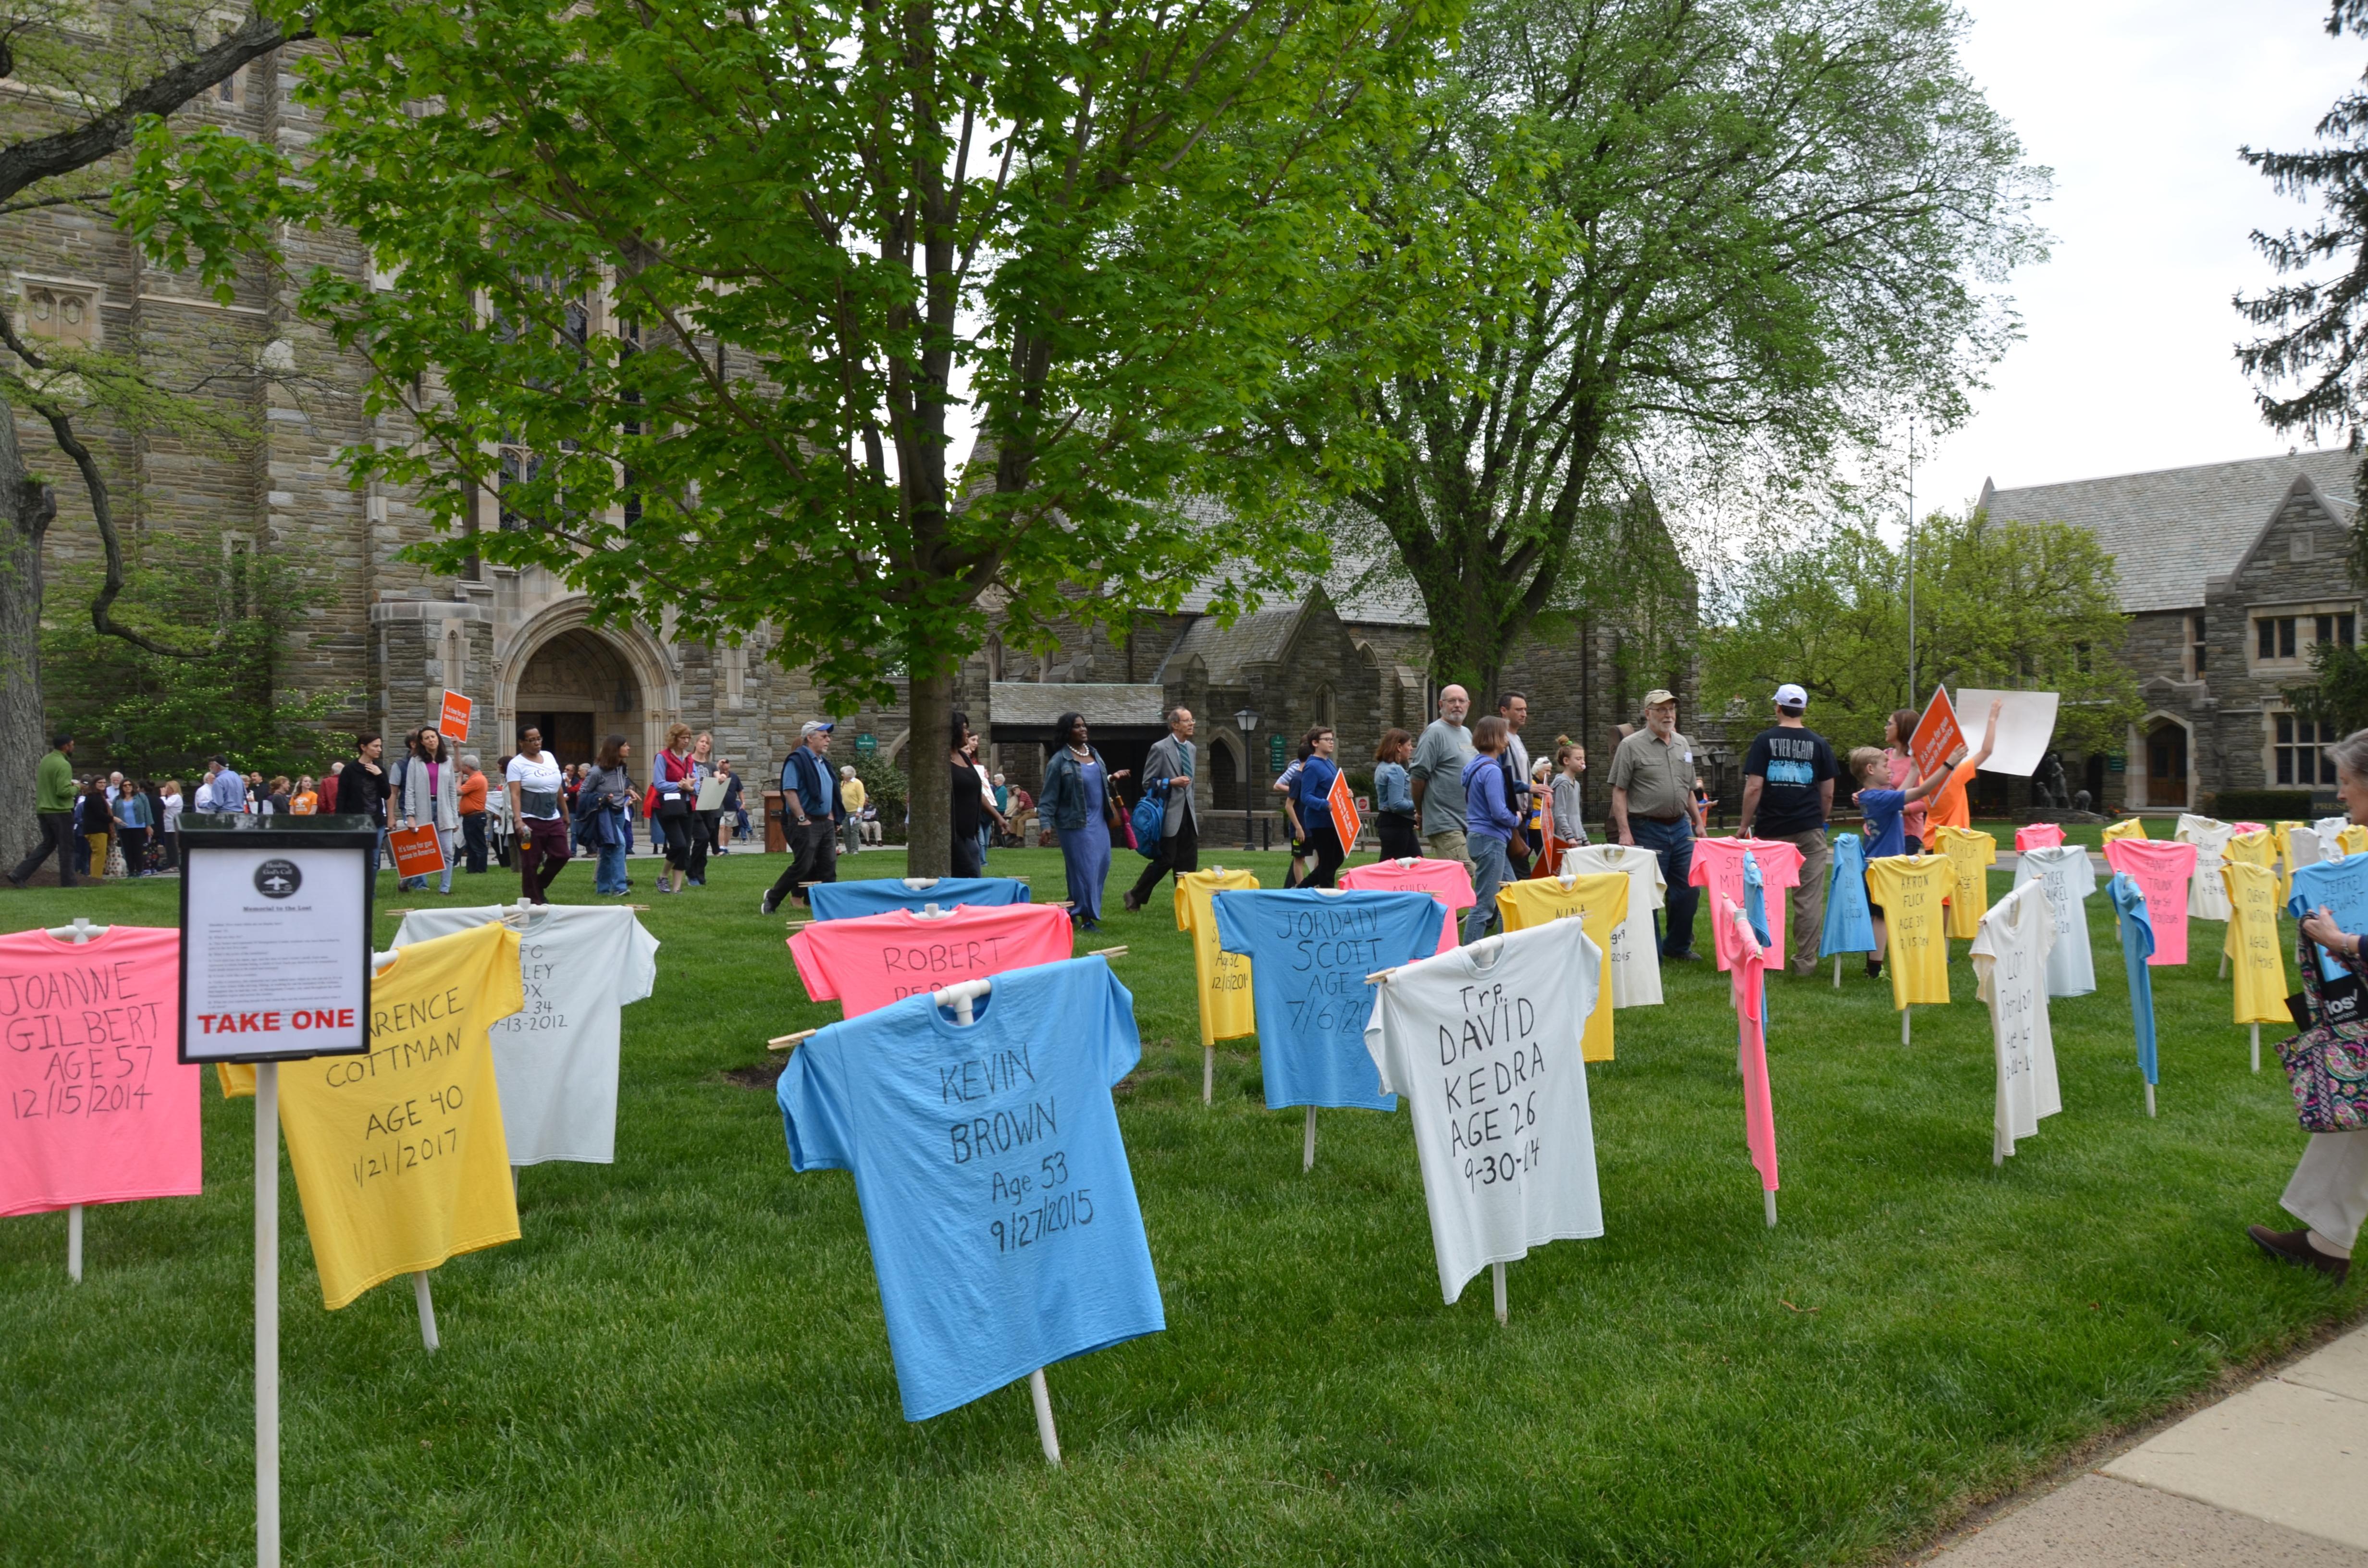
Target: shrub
[[2262, 805]]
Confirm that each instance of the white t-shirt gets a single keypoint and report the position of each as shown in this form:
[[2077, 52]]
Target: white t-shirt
[[2330, 836], [1635, 953], [535, 773], [1484, 1043], [2207, 895], [2009, 956], [2064, 871], [555, 1059]]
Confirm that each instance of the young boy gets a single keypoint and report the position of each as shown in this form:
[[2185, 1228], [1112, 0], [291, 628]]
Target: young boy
[[1886, 809]]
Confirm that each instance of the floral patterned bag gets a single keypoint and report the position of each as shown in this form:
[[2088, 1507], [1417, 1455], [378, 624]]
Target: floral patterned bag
[[2326, 1064]]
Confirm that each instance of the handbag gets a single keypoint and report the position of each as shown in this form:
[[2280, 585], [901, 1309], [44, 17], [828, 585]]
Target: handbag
[[2326, 1063], [1149, 822]]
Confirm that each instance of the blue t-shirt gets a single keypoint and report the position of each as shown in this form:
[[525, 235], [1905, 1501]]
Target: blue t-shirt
[[1310, 951], [996, 1192], [1887, 813], [1849, 925], [2137, 946], [2342, 887], [1754, 897], [883, 895]]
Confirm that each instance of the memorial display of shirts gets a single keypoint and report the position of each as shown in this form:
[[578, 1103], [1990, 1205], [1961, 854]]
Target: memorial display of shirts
[[556, 1057], [1600, 902], [2037, 835], [2009, 958], [2341, 886], [1971, 855], [1718, 868], [1849, 925], [2207, 895], [869, 961], [1747, 973], [399, 1154], [2138, 947], [1635, 955], [1310, 951], [2128, 827], [2066, 880], [879, 895], [995, 1186], [2162, 870], [94, 1105], [1483, 1041], [1908, 888], [1450, 882], [2256, 960], [1222, 978]]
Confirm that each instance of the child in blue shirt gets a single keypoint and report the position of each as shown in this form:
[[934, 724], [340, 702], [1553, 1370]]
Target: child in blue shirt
[[1886, 829]]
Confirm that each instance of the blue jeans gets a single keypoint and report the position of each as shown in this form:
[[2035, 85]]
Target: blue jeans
[[609, 871], [1674, 843], [1489, 870]]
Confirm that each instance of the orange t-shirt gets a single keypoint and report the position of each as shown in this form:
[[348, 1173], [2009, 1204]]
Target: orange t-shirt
[[1948, 807]]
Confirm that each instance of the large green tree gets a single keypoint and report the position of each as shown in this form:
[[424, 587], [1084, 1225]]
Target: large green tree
[[1670, 234], [2002, 606], [696, 287]]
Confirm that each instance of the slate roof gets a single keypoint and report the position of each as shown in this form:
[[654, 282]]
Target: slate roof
[[1366, 584], [1103, 703], [1255, 639], [2171, 530]]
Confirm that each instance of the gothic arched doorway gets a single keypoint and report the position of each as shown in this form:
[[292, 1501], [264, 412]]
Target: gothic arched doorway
[[577, 689]]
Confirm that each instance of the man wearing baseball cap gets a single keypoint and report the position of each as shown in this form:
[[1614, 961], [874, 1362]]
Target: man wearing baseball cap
[[815, 808], [1652, 807], [1788, 793]]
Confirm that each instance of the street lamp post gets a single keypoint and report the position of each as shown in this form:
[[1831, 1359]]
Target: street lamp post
[[1246, 719]]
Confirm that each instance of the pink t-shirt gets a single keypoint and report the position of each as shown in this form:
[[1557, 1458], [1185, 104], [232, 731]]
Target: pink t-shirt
[[96, 1106], [1718, 866], [1912, 819], [1745, 962], [2162, 868], [867, 963], [1447, 881], [2037, 835]]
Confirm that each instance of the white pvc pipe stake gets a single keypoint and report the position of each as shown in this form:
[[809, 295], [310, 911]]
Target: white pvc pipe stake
[[1903, 1023], [2257, 1048], [1208, 1072], [74, 1242], [266, 1314], [2224, 964], [1043, 1398], [2149, 1099], [1307, 1156], [1771, 1206], [426, 1304], [1838, 972], [1504, 1310]]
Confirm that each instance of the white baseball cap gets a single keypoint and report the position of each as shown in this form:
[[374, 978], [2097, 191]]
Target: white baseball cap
[[1791, 695]]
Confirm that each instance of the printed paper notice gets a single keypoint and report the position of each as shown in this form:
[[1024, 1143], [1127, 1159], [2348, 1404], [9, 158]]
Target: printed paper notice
[[276, 954], [2026, 724]]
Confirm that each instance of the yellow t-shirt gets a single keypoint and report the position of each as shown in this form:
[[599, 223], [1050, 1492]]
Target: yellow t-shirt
[[1599, 904], [2255, 849], [2258, 961], [1910, 888], [1970, 856], [399, 1154], [2353, 839], [1227, 1010], [2128, 828]]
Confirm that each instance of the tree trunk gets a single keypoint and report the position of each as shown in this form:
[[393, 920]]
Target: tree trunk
[[929, 841], [27, 506]]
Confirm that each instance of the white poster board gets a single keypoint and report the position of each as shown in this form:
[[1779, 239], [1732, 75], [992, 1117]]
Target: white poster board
[[274, 948], [2026, 724]]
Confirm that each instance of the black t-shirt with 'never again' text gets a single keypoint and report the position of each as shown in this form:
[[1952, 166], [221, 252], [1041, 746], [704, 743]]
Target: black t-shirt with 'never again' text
[[1792, 764]]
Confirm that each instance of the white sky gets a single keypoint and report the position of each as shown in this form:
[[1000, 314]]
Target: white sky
[[2139, 107]]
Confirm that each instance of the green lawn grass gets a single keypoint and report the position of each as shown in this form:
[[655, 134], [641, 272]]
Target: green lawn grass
[[683, 1361]]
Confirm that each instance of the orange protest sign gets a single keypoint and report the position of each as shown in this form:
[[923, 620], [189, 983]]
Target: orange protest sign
[[418, 851], [454, 724], [1936, 734], [1345, 820]]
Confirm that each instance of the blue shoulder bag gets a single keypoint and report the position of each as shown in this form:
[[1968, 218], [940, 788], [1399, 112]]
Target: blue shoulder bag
[[1150, 819]]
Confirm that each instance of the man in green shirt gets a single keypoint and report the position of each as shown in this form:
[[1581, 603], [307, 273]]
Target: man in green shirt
[[53, 802]]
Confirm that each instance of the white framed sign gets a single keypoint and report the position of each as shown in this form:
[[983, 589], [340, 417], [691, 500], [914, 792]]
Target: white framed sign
[[275, 937]]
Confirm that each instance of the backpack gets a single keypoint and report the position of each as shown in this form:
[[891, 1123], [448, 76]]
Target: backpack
[[1150, 821]]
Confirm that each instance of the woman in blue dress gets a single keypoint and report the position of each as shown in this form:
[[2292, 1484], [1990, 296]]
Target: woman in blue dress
[[1077, 801]]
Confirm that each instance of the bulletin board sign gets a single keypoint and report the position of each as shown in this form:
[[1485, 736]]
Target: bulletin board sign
[[453, 723], [275, 936]]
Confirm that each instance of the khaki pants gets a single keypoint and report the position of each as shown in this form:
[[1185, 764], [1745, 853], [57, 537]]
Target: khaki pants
[[2329, 1189], [1808, 900], [1447, 844]]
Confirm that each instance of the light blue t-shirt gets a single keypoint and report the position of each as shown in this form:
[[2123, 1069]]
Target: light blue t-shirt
[[996, 1193], [1754, 897], [1310, 951], [2137, 946], [2342, 887], [1849, 925], [883, 895]]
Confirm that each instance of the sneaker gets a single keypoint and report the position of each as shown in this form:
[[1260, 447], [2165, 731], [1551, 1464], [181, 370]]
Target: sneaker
[[2293, 1246], [765, 905]]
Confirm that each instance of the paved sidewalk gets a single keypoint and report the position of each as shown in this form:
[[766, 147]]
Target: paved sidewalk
[[2274, 1474]]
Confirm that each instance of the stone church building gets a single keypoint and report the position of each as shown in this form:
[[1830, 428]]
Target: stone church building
[[2230, 573], [392, 636]]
